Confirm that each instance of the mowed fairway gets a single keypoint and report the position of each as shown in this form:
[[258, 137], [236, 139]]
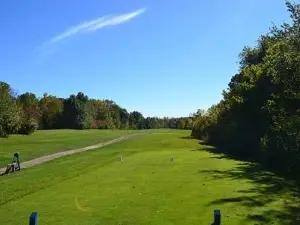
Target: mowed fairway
[[147, 187], [46, 142]]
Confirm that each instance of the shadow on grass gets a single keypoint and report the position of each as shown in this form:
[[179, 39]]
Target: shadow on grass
[[187, 137], [267, 189], [222, 153]]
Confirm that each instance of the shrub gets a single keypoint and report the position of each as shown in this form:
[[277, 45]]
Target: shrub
[[28, 128], [3, 134]]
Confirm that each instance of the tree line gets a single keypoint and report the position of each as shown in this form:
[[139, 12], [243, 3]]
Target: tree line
[[25, 113], [259, 114]]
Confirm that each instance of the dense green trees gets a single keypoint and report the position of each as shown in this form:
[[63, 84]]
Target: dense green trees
[[30, 113], [25, 113], [52, 110], [259, 115], [10, 116], [76, 112]]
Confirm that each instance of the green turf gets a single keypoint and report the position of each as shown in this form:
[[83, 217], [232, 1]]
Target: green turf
[[147, 187], [50, 141]]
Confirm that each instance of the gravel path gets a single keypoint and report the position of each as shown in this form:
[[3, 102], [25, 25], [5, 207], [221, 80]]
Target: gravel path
[[47, 158]]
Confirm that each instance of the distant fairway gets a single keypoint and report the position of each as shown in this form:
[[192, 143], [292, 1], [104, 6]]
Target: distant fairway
[[50, 141], [147, 187]]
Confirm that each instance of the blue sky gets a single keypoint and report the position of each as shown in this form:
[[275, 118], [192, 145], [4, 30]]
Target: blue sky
[[160, 57]]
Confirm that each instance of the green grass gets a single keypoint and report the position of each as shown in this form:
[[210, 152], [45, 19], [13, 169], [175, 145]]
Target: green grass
[[50, 141], [147, 188]]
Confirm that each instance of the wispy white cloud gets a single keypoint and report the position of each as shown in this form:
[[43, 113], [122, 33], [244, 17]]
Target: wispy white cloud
[[116, 20], [94, 25]]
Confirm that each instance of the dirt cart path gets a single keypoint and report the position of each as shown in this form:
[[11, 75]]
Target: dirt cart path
[[47, 158]]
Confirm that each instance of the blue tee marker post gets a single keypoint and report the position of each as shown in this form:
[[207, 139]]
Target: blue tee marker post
[[217, 217], [33, 218]]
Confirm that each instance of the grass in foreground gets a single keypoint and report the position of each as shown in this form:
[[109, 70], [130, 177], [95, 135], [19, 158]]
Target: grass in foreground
[[46, 142], [147, 187]]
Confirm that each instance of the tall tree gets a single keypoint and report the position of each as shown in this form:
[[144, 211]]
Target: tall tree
[[124, 118], [77, 113], [9, 111], [30, 106], [51, 112], [136, 120]]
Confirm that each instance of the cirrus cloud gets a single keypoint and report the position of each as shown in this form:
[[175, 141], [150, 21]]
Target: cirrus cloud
[[94, 25]]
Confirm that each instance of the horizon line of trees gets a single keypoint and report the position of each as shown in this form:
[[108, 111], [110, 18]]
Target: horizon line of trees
[[259, 115], [25, 113]]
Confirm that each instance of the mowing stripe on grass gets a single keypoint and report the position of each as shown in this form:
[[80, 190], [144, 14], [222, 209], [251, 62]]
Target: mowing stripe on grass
[[47, 158]]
